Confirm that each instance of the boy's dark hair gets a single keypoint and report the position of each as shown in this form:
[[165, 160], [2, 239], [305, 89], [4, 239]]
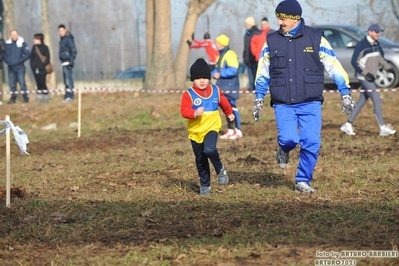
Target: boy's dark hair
[[39, 36], [61, 26], [207, 36]]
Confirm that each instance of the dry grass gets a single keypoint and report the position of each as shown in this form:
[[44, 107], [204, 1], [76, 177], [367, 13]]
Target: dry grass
[[126, 192]]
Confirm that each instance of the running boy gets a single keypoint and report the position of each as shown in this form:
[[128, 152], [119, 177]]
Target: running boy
[[200, 105]]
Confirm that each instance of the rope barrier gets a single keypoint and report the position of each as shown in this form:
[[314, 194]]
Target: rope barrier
[[162, 91]]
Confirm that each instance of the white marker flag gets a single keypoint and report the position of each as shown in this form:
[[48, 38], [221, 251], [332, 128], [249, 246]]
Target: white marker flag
[[19, 135]]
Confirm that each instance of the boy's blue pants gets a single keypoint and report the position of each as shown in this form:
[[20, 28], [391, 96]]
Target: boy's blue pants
[[300, 124]]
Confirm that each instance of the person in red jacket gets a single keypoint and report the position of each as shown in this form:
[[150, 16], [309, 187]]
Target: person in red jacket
[[210, 49], [258, 40], [200, 106]]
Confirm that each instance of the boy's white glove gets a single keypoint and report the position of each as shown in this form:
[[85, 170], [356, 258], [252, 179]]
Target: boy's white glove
[[347, 104], [256, 111]]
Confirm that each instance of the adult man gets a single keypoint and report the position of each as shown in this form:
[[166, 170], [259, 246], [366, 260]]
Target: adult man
[[67, 56], [210, 49], [248, 57], [292, 66], [367, 58], [16, 52]]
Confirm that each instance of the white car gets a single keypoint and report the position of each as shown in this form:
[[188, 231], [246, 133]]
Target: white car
[[343, 39]]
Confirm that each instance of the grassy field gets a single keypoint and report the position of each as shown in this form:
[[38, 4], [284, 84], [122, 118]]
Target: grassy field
[[126, 191]]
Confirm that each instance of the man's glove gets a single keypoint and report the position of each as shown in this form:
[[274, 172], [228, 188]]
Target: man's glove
[[370, 77], [189, 43], [258, 104], [347, 104]]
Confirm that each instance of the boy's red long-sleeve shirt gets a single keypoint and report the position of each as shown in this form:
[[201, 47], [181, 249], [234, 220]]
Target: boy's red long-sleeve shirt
[[187, 110]]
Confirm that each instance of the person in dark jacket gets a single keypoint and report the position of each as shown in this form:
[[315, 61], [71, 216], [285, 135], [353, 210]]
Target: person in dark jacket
[[15, 54], [367, 59], [39, 58], [2, 47], [248, 57], [292, 66], [67, 54]]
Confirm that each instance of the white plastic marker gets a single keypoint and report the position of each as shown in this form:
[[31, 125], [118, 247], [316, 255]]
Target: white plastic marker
[[79, 110], [8, 176]]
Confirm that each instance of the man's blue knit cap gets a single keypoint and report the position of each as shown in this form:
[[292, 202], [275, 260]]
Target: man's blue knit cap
[[290, 9]]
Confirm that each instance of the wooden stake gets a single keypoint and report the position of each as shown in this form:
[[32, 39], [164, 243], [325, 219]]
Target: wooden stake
[[79, 110], [8, 176]]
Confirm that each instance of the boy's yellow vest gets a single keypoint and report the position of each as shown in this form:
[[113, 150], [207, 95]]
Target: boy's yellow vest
[[209, 120]]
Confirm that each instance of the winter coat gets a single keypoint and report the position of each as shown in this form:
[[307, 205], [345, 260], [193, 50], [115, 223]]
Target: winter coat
[[247, 56], [227, 66], [368, 58], [36, 64], [296, 72], [16, 53], [67, 51]]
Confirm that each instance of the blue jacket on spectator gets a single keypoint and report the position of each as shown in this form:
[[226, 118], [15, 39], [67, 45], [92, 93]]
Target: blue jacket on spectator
[[67, 49], [16, 52]]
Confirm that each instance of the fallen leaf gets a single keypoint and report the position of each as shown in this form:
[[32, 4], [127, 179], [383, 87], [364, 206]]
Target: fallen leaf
[[74, 188], [148, 212], [180, 257]]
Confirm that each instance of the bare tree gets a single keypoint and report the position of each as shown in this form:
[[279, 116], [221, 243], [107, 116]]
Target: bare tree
[[395, 8], [162, 71], [9, 20], [150, 41], [51, 78], [195, 9]]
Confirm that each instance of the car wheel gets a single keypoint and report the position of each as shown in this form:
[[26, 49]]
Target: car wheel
[[387, 79]]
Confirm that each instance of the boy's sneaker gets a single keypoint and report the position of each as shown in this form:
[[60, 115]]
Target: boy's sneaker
[[282, 158], [227, 134], [304, 187], [387, 130], [223, 178], [205, 190], [348, 129], [237, 134]]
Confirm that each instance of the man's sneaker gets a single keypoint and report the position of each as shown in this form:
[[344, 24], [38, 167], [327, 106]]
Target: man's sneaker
[[223, 178], [348, 129], [205, 190], [304, 187], [66, 100], [227, 134], [237, 134], [11, 101], [387, 130], [282, 158]]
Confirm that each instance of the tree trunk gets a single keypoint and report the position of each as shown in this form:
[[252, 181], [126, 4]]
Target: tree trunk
[[51, 79], [162, 75], [195, 9], [9, 21], [150, 40]]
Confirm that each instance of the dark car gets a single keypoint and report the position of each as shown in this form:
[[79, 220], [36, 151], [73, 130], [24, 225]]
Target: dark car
[[132, 73], [343, 39]]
